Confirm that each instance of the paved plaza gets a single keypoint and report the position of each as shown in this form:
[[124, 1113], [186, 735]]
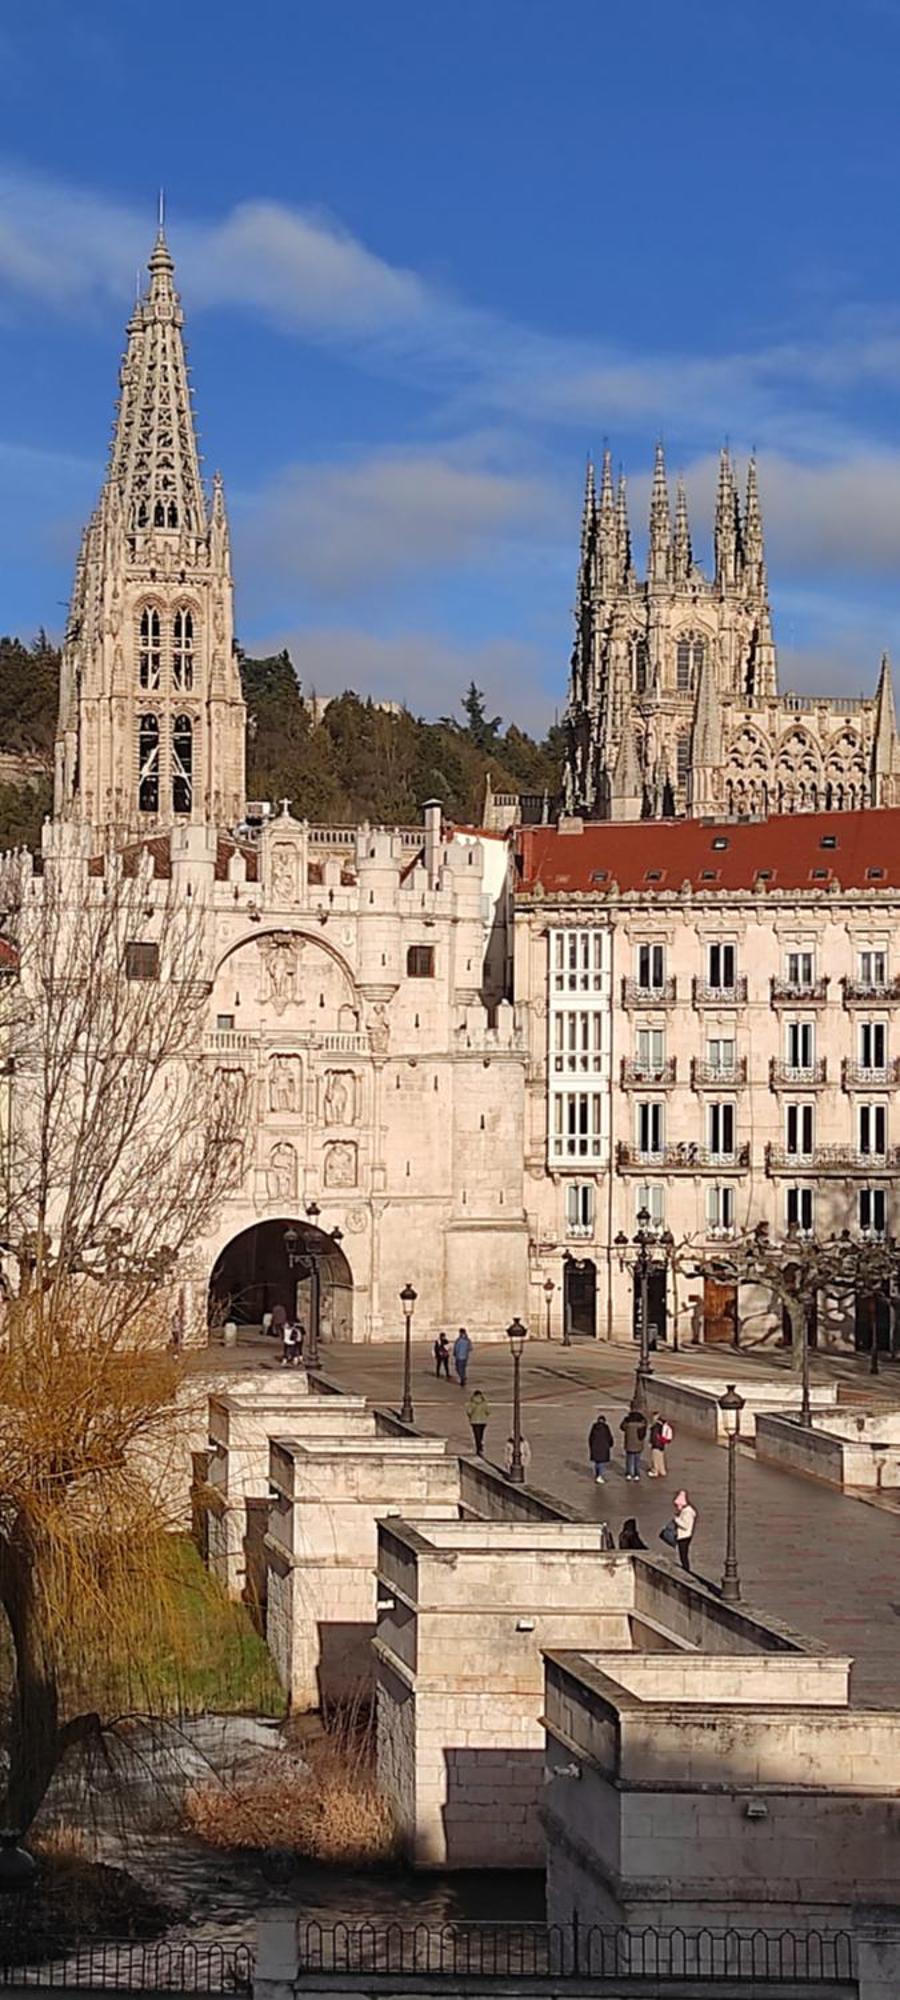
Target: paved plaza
[[822, 1563]]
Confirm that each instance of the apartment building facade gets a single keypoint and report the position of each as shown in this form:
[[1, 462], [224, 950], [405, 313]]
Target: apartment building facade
[[712, 1017]]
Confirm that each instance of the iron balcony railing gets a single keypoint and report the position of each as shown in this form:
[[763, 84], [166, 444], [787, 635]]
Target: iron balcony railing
[[682, 1156], [652, 1075], [871, 992], [798, 1076], [756, 1961], [734, 995], [831, 1160], [716, 1076], [636, 995], [213, 1969], [857, 1076], [799, 992]]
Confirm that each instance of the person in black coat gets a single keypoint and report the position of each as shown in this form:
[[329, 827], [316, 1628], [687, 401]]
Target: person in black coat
[[600, 1444], [630, 1537]]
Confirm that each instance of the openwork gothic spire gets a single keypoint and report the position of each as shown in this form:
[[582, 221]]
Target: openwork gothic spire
[[154, 466]]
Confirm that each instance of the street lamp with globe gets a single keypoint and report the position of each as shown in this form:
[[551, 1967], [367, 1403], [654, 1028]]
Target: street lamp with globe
[[517, 1335], [731, 1405], [408, 1298]]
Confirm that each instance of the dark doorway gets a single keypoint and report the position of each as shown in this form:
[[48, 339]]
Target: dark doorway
[[657, 1307], [873, 1312], [255, 1273], [719, 1311], [580, 1298]]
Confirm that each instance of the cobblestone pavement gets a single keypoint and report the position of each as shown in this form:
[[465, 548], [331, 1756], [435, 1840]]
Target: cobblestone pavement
[[821, 1563]]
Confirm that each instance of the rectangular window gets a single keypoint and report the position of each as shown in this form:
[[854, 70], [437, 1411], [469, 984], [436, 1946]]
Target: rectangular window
[[224, 1022], [420, 961], [873, 1210], [651, 967], [801, 1044], [722, 966], [720, 1207], [579, 1209], [141, 961], [800, 1209], [651, 1049], [652, 1197], [720, 1052], [720, 1125], [873, 968], [872, 1045], [799, 1130], [577, 1040], [577, 1125], [801, 968], [650, 1128], [873, 1129], [577, 959]]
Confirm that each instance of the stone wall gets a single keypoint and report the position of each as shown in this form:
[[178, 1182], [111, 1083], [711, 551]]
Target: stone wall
[[241, 1428], [853, 1448], [693, 1405]]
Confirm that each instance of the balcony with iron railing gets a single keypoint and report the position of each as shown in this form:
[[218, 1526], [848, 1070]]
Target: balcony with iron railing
[[651, 1076], [636, 995], [798, 1076], [681, 1156], [580, 1232], [831, 1160], [858, 1076], [871, 992], [735, 995], [799, 992], [718, 1076]]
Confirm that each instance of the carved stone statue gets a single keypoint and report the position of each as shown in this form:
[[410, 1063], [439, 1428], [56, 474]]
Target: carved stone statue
[[340, 1165], [379, 1030], [281, 1172], [280, 958], [284, 873], [284, 1083], [340, 1108], [231, 1090]]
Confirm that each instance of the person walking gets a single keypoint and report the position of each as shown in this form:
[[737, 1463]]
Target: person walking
[[288, 1338], [685, 1521], [478, 1410], [630, 1536], [462, 1348], [441, 1352], [524, 1454], [660, 1436], [634, 1430], [279, 1321], [600, 1447]]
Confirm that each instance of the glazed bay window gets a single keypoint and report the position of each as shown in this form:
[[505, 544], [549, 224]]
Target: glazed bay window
[[872, 1126], [650, 1127], [579, 1209], [720, 1124], [577, 1041], [872, 1211], [577, 961], [720, 1210], [799, 1133], [800, 1209], [577, 1127]]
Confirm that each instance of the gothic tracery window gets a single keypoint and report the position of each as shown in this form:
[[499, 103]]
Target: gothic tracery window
[[149, 649], [639, 666], [183, 650], [148, 764], [182, 764], [689, 655], [683, 759]]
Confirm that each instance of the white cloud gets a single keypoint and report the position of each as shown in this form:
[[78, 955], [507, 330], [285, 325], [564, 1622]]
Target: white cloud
[[425, 671], [340, 528]]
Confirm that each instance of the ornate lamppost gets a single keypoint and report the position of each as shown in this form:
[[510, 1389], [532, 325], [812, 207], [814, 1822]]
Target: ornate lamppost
[[640, 1254], [517, 1335], [549, 1289], [408, 1298], [731, 1405]]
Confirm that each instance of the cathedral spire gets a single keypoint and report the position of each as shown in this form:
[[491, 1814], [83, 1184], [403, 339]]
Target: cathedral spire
[[660, 553], [154, 463], [706, 740], [627, 784], [681, 541], [885, 738], [727, 523], [623, 531], [753, 547], [589, 508], [607, 536]]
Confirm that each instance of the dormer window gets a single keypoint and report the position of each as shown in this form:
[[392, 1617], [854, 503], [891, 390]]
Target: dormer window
[[149, 649]]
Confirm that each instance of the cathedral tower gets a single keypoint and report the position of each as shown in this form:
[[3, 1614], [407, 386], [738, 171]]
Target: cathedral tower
[[151, 717]]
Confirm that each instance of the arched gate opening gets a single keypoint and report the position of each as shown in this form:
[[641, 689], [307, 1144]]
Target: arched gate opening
[[287, 1262]]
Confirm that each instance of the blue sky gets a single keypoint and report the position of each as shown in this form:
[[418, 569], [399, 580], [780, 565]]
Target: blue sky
[[429, 256]]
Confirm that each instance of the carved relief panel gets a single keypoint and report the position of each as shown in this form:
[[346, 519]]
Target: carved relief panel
[[340, 1165], [340, 1101], [285, 1084]]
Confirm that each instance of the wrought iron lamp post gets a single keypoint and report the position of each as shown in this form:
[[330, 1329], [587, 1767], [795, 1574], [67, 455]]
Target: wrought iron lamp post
[[549, 1289], [408, 1298], [642, 1246], [731, 1405], [517, 1335]]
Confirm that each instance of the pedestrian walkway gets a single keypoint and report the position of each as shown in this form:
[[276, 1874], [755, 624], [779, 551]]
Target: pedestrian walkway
[[821, 1563]]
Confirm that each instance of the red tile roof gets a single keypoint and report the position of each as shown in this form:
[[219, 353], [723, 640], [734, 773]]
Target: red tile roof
[[858, 850]]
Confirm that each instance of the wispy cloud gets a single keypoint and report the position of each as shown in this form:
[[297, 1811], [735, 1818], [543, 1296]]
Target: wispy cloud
[[425, 671]]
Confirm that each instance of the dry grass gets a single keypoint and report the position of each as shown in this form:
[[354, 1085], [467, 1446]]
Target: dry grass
[[64, 1844], [328, 1810]]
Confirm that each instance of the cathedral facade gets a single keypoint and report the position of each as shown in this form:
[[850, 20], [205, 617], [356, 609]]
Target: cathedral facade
[[674, 707]]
